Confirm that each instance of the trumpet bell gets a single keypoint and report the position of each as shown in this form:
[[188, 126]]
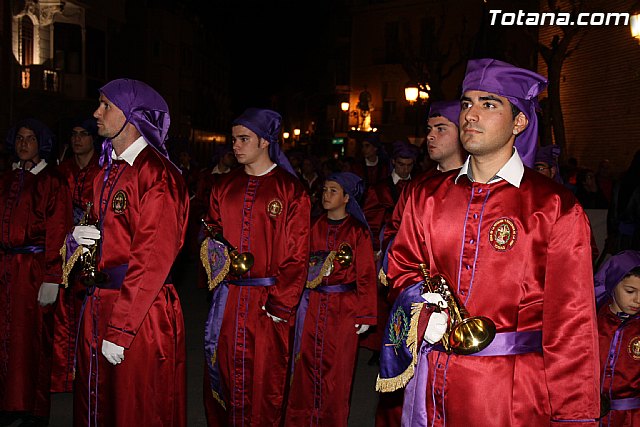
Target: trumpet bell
[[472, 335], [344, 256], [240, 262]]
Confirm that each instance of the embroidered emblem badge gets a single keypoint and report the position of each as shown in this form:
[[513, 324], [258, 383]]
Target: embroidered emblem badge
[[274, 208], [398, 329], [119, 202], [503, 234], [634, 348]]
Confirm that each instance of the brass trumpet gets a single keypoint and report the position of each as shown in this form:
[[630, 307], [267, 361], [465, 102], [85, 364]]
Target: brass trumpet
[[344, 256], [240, 262], [89, 274], [465, 335]]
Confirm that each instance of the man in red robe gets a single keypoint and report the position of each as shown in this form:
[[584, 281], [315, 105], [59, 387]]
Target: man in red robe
[[374, 166], [36, 215], [260, 208], [444, 148], [131, 349], [338, 304], [79, 171], [514, 247]]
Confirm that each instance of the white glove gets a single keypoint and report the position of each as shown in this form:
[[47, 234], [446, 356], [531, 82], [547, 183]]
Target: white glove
[[361, 329], [113, 352], [435, 299], [437, 326], [272, 317], [48, 293], [86, 235]]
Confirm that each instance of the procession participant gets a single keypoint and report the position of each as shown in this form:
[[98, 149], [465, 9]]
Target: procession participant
[[514, 248], [338, 304], [263, 209], [131, 338], [79, 171], [36, 214], [617, 285]]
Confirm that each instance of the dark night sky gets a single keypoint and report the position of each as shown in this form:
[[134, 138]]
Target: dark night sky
[[272, 46]]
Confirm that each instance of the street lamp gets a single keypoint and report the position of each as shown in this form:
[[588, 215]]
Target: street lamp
[[285, 135], [411, 93], [635, 26], [344, 106]]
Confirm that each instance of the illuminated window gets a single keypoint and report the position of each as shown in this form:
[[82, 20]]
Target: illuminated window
[[26, 41]]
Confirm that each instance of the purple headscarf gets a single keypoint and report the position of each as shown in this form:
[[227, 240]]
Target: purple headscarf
[[520, 86], [405, 150], [612, 272], [266, 124], [144, 108], [447, 109], [353, 185], [549, 154], [43, 133]]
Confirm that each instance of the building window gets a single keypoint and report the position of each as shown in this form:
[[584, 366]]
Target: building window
[[26, 41]]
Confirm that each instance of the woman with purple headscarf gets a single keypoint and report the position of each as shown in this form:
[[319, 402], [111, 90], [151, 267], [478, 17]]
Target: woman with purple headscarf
[[338, 304], [36, 214], [618, 298]]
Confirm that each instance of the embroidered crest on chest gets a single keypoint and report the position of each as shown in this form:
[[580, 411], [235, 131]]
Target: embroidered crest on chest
[[634, 348], [274, 208], [503, 234], [119, 202]]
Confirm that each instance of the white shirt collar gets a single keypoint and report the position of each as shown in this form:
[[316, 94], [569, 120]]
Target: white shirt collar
[[369, 163], [131, 152], [397, 178], [34, 170], [512, 171], [273, 166]]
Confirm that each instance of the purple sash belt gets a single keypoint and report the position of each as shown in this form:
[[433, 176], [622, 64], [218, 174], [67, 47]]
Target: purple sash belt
[[258, 281], [115, 277], [509, 343], [28, 249], [304, 305], [625, 404]]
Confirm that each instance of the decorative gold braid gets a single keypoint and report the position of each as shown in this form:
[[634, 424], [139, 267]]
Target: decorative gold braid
[[326, 267], [387, 385], [67, 266], [383, 278], [217, 397], [204, 258]]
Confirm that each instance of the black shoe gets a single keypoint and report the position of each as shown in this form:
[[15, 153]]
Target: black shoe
[[33, 421], [9, 417]]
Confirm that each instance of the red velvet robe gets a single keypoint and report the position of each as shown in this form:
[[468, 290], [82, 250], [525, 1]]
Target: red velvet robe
[[36, 211], [379, 203], [623, 381], [67, 313], [268, 216], [144, 208], [322, 379], [522, 257]]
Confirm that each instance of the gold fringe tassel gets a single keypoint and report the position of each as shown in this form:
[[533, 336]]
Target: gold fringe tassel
[[204, 258], [326, 267], [387, 385], [67, 266], [383, 278]]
